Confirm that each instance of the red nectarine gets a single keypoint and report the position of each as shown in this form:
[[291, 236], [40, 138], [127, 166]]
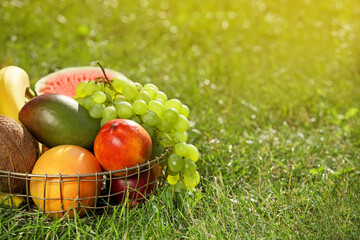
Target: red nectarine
[[122, 143]]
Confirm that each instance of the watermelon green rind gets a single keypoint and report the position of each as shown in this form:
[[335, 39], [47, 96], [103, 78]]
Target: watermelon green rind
[[64, 81]]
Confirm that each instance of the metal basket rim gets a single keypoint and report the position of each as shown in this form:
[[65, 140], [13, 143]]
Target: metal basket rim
[[126, 170]]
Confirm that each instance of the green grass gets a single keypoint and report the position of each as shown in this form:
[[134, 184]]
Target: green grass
[[273, 88]]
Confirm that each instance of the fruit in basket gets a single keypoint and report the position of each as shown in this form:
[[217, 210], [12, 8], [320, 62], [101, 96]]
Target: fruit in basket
[[65, 80], [166, 120], [73, 193], [14, 82], [122, 143], [136, 185], [18, 153], [56, 119], [11, 201]]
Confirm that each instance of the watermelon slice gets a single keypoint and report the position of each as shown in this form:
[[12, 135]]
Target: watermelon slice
[[65, 80]]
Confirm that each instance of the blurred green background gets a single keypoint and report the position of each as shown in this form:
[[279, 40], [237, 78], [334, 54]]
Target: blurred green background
[[249, 56]]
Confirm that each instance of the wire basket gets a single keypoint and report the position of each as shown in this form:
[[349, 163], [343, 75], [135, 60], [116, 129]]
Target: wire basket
[[62, 194]]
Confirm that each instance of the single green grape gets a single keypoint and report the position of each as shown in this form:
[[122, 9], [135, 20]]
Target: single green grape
[[189, 166], [173, 179], [138, 85], [179, 186], [99, 97], [173, 103], [129, 90], [156, 106], [151, 92], [118, 84], [175, 163], [109, 92], [181, 149], [88, 102], [91, 88], [97, 111], [109, 113], [151, 85], [139, 107], [197, 177], [162, 96], [184, 110], [150, 118], [136, 118], [124, 109], [189, 180], [164, 126], [182, 123], [181, 136], [192, 152], [170, 115], [80, 89], [143, 95], [118, 99]]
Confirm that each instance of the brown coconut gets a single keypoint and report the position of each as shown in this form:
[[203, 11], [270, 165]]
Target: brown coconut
[[18, 153]]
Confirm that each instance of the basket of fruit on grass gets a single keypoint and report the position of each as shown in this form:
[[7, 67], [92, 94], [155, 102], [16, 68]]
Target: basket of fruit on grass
[[88, 138]]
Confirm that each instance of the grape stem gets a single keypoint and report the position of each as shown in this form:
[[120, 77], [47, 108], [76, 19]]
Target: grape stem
[[106, 78]]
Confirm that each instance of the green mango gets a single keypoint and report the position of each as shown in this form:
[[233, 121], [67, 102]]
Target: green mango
[[56, 119]]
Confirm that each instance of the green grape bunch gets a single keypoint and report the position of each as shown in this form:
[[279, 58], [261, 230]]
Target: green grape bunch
[[166, 120]]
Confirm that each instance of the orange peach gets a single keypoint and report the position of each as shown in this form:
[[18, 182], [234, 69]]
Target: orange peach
[[65, 194]]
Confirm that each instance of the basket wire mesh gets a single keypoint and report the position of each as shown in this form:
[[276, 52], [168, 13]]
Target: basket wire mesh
[[103, 197]]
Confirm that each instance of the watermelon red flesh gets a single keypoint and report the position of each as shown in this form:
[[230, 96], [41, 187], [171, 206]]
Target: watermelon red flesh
[[65, 80]]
